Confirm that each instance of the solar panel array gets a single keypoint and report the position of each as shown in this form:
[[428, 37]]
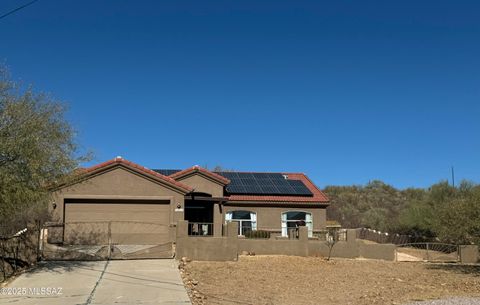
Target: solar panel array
[[166, 172], [257, 183], [264, 184]]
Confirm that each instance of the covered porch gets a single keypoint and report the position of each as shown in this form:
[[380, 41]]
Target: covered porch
[[204, 214]]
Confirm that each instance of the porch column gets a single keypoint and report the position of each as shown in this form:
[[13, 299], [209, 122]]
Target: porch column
[[217, 219]]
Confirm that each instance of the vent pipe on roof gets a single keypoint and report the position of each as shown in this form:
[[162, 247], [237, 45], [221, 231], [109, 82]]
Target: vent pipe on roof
[[285, 176]]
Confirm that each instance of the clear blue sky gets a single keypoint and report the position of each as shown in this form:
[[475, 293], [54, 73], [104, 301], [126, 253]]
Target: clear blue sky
[[345, 91]]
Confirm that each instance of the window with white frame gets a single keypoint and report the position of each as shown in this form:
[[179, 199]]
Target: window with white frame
[[247, 220], [294, 219]]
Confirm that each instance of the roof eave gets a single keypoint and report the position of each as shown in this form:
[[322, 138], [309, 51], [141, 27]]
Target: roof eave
[[96, 169], [202, 171]]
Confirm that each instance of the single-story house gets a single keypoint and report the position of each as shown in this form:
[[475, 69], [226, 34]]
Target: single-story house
[[131, 195]]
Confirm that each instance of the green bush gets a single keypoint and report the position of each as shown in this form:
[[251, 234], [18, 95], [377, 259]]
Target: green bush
[[257, 234]]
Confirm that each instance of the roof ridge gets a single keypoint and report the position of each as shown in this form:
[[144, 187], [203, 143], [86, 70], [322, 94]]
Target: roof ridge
[[202, 170], [120, 160], [233, 171], [243, 172]]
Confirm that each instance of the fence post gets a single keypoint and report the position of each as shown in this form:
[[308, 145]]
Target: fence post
[[39, 231], [109, 239], [428, 258], [15, 256], [469, 254], [232, 229], [3, 268]]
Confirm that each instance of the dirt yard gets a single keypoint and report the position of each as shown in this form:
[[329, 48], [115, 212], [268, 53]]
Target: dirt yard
[[287, 280]]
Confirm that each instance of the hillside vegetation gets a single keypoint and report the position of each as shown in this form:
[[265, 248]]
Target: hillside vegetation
[[450, 213]]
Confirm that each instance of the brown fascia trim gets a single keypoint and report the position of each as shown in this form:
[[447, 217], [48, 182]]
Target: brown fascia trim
[[111, 166], [150, 177], [202, 198], [207, 177], [203, 172], [278, 204]]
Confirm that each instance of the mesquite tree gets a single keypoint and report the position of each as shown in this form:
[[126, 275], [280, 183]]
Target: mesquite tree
[[37, 149]]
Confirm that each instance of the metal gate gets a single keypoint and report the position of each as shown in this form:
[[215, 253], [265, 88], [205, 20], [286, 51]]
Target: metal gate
[[429, 252], [105, 240]]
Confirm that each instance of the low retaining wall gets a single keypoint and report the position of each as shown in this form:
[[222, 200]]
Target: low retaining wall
[[469, 254], [206, 248], [227, 248]]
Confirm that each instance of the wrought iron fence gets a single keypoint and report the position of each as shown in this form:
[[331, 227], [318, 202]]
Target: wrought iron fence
[[105, 240], [200, 229], [17, 250], [323, 235], [389, 238], [433, 252]]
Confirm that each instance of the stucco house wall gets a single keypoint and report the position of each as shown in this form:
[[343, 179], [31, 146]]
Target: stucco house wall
[[269, 217], [117, 183], [121, 191], [203, 184]]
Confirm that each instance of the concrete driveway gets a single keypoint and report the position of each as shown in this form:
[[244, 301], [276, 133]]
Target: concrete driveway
[[114, 282]]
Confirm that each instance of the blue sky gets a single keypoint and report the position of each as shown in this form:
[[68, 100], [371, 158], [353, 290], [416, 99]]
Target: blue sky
[[345, 91]]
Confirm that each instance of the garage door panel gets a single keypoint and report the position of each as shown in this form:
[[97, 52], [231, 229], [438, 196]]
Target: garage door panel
[[132, 211], [128, 233], [127, 222]]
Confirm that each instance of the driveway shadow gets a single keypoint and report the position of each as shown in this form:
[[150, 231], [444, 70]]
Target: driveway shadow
[[456, 268], [63, 266]]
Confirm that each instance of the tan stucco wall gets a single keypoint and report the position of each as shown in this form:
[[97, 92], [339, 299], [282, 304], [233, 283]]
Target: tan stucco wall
[[203, 184], [270, 217], [119, 183], [228, 247], [207, 248], [376, 251], [469, 254]]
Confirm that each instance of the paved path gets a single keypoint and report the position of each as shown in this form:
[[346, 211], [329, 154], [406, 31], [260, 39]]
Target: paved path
[[114, 282], [450, 301]]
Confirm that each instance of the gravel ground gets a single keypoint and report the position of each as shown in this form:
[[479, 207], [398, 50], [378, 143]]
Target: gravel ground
[[450, 301], [286, 280]]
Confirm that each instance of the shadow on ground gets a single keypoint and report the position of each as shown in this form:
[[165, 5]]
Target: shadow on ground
[[70, 266], [61, 266], [462, 269]]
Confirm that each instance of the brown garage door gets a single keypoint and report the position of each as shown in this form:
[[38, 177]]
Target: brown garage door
[[120, 222]]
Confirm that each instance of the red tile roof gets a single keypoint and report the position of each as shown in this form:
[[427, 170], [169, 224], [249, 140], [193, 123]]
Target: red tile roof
[[139, 168], [318, 195], [202, 170]]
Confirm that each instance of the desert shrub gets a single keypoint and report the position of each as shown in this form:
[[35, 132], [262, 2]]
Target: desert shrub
[[257, 234]]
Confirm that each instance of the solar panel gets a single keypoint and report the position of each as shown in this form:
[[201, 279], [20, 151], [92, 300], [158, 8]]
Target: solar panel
[[264, 184], [257, 183], [295, 183], [238, 189], [166, 172]]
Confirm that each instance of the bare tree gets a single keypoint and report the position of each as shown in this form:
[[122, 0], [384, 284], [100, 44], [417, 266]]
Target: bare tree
[[331, 240]]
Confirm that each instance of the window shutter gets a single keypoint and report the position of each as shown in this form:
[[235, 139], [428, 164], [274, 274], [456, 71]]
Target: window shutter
[[284, 225], [253, 219], [309, 222]]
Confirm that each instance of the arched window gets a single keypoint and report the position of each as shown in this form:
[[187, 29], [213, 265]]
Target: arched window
[[293, 219], [247, 220]]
